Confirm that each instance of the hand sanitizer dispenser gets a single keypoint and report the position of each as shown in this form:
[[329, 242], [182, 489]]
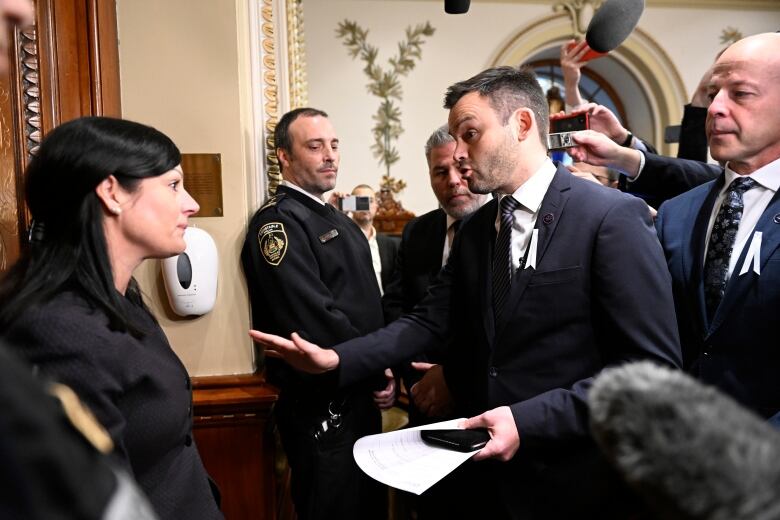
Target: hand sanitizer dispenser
[[191, 277]]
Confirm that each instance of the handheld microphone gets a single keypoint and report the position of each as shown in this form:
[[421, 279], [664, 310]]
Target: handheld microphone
[[456, 6], [689, 450], [613, 23]]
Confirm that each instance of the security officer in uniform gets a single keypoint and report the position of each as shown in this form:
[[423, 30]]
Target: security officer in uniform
[[309, 269]]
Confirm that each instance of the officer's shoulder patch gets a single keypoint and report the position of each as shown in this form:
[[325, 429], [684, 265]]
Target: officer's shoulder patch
[[81, 418], [273, 201], [273, 242]]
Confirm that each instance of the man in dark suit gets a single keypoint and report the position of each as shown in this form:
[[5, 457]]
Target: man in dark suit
[[425, 247], [721, 239], [384, 248], [528, 300]]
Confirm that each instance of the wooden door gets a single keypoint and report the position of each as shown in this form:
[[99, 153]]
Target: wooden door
[[65, 66]]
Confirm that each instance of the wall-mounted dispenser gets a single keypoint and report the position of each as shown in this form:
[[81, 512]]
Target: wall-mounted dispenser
[[191, 277]]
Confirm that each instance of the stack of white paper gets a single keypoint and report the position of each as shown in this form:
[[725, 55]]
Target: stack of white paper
[[401, 459]]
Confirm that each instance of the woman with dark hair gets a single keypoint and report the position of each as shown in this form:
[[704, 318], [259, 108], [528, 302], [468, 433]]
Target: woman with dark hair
[[106, 194]]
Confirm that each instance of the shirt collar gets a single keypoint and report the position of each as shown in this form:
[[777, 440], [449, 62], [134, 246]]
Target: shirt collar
[[768, 176], [298, 188], [372, 236], [531, 193], [450, 221]]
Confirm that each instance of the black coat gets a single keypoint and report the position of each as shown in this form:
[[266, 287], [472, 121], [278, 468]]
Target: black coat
[[417, 264], [388, 251], [137, 388]]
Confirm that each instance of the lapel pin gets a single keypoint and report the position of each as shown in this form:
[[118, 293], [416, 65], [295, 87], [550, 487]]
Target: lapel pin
[[777, 218], [548, 218]]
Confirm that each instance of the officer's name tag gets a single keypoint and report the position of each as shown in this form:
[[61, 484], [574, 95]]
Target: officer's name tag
[[330, 235]]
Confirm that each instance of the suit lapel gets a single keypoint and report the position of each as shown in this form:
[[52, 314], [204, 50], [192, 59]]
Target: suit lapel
[[738, 284], [693, 257], [546, 222]]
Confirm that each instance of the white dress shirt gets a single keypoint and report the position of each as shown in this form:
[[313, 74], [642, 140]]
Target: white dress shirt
[[530, 195], [448, 239], [376, 260], [755, 203]]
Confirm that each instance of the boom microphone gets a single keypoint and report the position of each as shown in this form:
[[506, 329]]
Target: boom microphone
[[689, 450], [456, 6], [613, 23]]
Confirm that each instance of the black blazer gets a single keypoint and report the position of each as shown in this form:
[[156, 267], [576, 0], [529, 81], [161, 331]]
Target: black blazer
[[663, 178], [600, 295], [388, 251], [417, 264]]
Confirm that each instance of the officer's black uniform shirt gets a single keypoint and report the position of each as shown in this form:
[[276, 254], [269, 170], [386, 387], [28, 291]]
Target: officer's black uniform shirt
[[309, 270]]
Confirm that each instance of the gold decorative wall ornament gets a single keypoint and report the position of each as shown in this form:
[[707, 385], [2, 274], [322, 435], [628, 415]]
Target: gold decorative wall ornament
[[580, 13], [386, 85], [270, 97], [296, 52], [730, 35]]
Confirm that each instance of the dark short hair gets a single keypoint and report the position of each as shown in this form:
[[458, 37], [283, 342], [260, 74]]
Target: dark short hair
[[282, 137], [507, 89], [69, 250]]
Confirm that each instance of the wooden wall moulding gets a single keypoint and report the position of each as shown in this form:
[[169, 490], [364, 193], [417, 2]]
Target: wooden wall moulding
[[65, 66], [234, 433]]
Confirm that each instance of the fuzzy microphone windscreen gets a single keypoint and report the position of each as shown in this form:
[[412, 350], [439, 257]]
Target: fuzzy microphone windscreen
[[613, 23], [690, 451]]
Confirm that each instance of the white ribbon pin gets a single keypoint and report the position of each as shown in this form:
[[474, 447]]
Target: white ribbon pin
[[753, 255], [531, 260]]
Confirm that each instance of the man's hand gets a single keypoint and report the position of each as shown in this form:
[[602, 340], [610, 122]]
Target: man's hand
[[430, 394], [571, 63], [334, 198], [597, 149], [504, 437], [298, 352], [601, 119], [385, 399]]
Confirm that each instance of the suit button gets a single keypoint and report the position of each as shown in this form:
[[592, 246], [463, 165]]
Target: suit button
[[493, 372], [188, 440]]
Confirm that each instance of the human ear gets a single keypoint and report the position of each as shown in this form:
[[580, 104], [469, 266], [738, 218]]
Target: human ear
[[283, 156], [108, 191], [522, 122]]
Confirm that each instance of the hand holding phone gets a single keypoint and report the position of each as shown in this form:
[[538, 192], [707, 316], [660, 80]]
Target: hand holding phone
[[458, 440]]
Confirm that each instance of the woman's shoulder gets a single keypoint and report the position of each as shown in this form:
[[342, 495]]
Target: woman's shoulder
[[67, 323]]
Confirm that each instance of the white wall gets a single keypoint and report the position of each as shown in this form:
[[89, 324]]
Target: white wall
[[183, 71], [462, 46]]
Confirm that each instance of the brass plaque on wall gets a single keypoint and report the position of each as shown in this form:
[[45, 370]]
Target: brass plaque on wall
[[203, 180]]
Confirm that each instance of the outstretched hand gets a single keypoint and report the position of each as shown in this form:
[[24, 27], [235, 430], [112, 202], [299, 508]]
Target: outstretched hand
[[504, 437], [298, 352]]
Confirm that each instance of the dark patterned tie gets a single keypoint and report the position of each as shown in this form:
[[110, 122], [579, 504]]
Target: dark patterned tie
[[724, 230], [502, 257]]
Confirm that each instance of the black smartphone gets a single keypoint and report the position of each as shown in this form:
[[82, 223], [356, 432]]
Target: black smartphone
[[459, 440]]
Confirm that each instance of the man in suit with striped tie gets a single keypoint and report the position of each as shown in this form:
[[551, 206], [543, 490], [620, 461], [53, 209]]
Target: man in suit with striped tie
[[546, 285]]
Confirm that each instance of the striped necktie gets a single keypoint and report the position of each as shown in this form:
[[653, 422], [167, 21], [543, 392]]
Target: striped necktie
[[502, 255]]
